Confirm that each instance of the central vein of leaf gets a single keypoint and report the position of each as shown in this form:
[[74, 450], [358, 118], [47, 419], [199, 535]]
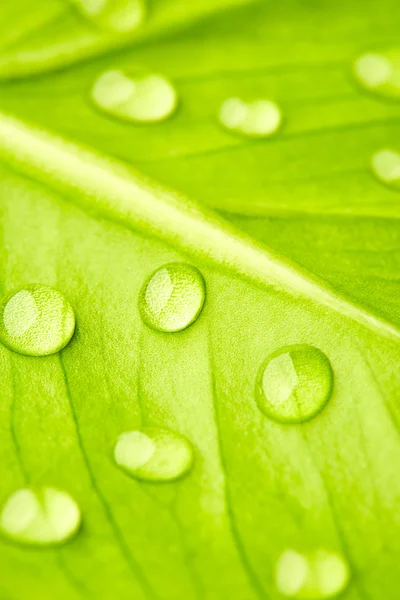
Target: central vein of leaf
[[110, 189]]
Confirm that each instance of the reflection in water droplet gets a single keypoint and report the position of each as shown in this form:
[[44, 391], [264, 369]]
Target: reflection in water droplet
[[318, 575], [172, 298], [36, 321], [119, 16], [386, 167], [261, 118], [146, 99], [379, 73], [294, 384], [44, 516], [154, 454]]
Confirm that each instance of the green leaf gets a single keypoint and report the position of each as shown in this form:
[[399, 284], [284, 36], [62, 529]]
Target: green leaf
[[75, 218], [53, 33]]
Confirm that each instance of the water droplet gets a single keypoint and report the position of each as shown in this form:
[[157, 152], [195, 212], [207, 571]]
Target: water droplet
[[119, 16], [43, 516], [386, 167], [147, 98], [294, 384], [318, 575], [379, 73], [154, 454], [36, 320], [260, 118], [172, 298]]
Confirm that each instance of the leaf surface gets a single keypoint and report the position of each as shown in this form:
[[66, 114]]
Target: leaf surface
[[304, 199]]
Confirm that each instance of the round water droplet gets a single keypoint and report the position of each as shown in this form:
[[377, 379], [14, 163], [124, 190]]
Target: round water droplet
[[294, 384], [172, 298], [36, 320], [385, 166], [145, 99], [44, 516], [118, 16], [379, 73], [261, 118], [318, 575], [154, 454]]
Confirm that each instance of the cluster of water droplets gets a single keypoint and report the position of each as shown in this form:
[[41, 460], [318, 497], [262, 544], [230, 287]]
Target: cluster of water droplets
[[38, 320], [145, 97], [141, 96], [293, 385]]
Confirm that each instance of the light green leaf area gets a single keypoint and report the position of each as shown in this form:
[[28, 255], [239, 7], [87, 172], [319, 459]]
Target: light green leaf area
[[257, 487]]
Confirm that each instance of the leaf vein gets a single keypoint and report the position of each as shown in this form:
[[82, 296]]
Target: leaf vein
[[252, 575], [132, 563]]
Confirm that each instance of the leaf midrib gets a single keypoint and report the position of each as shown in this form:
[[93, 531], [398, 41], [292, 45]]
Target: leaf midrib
[[109, 189]]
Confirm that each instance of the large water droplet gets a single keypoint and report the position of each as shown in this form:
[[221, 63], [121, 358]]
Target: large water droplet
[[386, 167], [261, 118], [119, 16], [172, 298], [44, 516], [379, 73], [36, 320], [318, 575], [147, 98], [294, 384], [154, 454]]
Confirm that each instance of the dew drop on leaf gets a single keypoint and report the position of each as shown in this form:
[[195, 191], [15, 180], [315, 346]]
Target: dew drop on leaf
[[43, 516], [36, 321], [386, 167], [153, 454], [172, 298], [379, 73], [312, 576], [119, 16], [260, 118], [148, 98], [294, 384]]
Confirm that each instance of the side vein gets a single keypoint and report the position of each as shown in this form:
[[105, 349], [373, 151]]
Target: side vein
[[132, 563], [252, 575]]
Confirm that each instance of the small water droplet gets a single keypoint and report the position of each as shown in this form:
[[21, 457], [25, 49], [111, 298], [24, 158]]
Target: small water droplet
[[154, 454], [379, 73], [36, 321], [318, 575], [172, 298], [147, 98], [294, 384], [260, 118], [44, 516], [118, 16], [386, 167]]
